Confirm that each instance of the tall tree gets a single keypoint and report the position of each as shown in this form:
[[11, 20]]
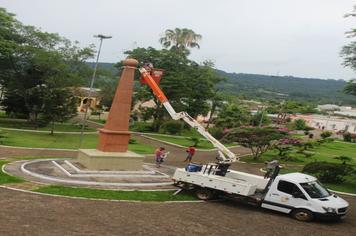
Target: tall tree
[[59, 105], [33, 61], [348, 52], [187, 84], [260, 118], [350, 88], [180, 40], [232, 116], [217, 101]]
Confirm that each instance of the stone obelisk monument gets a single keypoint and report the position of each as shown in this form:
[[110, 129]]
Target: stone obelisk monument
[[112, 150]]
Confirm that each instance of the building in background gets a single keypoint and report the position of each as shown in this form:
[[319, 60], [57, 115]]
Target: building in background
[[83, 98], [331, 123]]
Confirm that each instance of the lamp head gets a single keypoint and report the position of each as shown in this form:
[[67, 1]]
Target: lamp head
[[103, 36]]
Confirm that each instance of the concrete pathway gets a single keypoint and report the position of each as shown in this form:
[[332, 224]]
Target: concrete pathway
[[31, 214]]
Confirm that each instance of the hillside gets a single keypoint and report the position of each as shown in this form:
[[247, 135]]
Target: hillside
[[105, 66], [278, 87], [286, 87]]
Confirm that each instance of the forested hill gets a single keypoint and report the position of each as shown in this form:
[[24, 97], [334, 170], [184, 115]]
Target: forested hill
[[105, 65], [279, 87], [286, 87]]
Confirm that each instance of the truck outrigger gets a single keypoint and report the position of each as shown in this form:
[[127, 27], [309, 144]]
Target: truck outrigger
[[297, 194]]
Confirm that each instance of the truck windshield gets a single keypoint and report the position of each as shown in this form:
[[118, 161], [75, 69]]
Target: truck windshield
[[315, 189]]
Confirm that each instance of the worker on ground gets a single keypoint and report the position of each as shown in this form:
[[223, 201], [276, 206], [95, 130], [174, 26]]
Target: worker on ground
[[191, 152], [270, 167], [159, 154]]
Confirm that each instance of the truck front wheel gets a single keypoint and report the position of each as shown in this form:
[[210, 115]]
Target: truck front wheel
[[302, 215], [205, 194]]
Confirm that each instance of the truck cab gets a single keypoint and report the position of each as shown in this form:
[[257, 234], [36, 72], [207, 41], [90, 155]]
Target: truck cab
[[304, 198]]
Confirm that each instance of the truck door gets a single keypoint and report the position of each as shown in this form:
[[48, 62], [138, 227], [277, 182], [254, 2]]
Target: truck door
[[284, 196]]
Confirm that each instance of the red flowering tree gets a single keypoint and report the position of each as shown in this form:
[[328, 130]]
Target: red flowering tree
[[257, 139], [285, 145]]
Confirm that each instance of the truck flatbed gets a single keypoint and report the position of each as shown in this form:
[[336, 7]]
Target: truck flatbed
[[234, 182]]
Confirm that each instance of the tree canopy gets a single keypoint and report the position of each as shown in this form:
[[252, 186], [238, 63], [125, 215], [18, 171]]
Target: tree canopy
[[34, 62], [232, 116], [257, 139], [187, 84], [348, 53], [180, 40]]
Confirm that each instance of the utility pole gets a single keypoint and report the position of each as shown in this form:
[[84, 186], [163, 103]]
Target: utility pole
[[87, 105]]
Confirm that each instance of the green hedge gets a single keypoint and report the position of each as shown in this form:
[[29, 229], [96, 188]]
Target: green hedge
[[328, 172]]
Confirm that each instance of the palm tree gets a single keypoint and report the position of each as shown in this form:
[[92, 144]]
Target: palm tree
[[180, 39]]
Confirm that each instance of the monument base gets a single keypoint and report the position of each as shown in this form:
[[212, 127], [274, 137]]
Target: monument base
[[94, 159]]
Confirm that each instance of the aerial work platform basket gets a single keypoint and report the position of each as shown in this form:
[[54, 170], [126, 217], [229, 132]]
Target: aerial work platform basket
[[156, 75]]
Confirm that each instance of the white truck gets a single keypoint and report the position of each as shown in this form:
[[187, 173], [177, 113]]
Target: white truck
[[297, 194]]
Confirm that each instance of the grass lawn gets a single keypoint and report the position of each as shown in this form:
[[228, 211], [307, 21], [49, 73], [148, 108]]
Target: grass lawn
[[98, 121], [23, 124], [346, 187], [324, 152], [116, 195], [3, 114], [66, 141], [299, 135], [5, 178], [185, 141]]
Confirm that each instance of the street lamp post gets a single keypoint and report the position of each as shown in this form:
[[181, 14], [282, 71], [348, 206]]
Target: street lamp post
[[101, 37]]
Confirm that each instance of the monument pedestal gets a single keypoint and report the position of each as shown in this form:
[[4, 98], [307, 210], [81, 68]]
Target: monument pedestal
[[97, 160]]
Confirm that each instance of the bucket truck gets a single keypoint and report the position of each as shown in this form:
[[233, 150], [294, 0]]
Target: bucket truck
[[297, 194]]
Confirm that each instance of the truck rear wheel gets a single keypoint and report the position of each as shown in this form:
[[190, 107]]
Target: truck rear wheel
[[205, 194], [302, 215]]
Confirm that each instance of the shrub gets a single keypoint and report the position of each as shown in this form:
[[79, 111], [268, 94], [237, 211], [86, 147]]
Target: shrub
[[142, 127], [343, 159], [195, 141], [306, 145], [329, 140], [348, 137], [216, 132], [328, 172], [171, 127], [95, 113], [306, 154], [326, 134], [132, 141], [41, 123], [308, 128], [299, 124]]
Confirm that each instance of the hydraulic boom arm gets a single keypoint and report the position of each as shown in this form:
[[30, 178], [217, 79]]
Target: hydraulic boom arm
[[225, 155]]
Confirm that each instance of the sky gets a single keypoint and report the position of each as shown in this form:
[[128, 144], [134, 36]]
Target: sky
[[276, 37]]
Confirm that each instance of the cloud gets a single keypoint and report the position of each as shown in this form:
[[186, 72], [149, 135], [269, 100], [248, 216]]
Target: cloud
[[301, 38]]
